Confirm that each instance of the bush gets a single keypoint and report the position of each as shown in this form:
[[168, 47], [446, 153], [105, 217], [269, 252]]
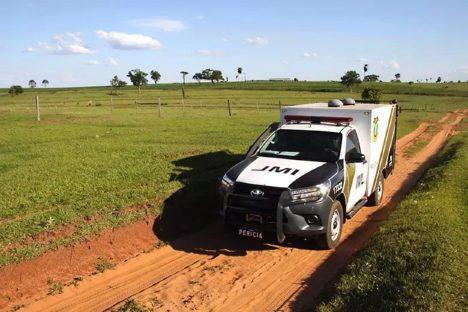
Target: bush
[[371, 94], [15, 90]]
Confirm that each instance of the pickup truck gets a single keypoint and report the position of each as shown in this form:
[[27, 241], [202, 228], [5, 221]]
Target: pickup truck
[[309, 172]]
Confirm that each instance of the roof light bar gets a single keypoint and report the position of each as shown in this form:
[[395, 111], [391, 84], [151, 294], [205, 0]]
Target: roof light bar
[[318, 119]]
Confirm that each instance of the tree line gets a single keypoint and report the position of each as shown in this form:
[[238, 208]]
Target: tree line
[[138, 78]]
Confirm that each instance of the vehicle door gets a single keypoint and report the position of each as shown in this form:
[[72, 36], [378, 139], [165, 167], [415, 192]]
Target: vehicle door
[[355, 171]]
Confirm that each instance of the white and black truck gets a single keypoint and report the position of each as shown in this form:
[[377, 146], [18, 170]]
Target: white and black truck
[[312, 170]]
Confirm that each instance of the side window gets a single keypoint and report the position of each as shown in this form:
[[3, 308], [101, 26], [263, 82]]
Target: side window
[[352, 143]]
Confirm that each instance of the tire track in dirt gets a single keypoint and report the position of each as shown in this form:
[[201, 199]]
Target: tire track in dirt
[[212, 270]]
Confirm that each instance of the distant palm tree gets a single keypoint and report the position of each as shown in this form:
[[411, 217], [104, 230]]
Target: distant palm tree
[[365, 70], [184, 73], [239, 72], [45, 83], [32, 83], [397, 76]]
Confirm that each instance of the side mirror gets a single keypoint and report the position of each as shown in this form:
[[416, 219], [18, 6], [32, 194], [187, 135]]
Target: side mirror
[[356, 158]]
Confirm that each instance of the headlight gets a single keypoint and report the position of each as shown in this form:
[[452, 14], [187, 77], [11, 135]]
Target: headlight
[[226, 183], [310, 194]]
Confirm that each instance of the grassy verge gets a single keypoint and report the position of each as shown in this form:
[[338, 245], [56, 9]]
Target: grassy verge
[[418, 261]]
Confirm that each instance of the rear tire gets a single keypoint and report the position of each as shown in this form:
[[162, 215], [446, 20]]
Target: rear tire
[[376, 198], [331, 238]]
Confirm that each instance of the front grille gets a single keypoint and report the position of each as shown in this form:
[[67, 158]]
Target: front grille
[[241, 197], [245, 189]]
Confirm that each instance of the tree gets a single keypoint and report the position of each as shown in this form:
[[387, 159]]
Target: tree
[[209, 74], [15, 90], [138, 78], [439, 79], [183, 73], [350, 79], [217, 75], [32, 83], [155, 75], [198, 77], [239, 72], [116, 84], [371, 78], [366, 66], [371, 94], [45, 83], [397, 76]]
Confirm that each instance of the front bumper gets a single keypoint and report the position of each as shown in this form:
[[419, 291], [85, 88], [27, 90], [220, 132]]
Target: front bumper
[[285, 219]]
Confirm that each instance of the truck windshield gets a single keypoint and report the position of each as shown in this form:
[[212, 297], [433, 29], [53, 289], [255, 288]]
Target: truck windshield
[[303, 145]]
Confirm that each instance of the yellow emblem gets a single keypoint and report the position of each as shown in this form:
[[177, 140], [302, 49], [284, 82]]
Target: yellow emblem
[[375, 132]]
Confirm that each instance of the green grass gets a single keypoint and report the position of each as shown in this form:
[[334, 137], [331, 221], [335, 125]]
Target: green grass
[[103, 265], [418, 261], [97, 167], [132, 306]]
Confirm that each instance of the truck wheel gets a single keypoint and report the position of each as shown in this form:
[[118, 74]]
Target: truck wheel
[[331, 238], [376, 197]]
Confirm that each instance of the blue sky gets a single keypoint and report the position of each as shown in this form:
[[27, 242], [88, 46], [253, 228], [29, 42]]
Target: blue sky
[[79, 43]]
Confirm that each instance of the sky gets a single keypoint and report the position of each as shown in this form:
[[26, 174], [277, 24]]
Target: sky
[[85, 43]]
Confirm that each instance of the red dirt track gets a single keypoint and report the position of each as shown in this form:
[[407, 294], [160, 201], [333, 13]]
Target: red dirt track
[[210, 270]]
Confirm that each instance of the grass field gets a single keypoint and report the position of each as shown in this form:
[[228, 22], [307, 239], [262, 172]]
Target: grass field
[[418, 261], [92, 164]]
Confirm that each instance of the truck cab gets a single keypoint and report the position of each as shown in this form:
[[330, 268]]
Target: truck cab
[[304, 176]]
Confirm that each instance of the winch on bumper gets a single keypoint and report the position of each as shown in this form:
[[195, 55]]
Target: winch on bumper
[[274, 211]]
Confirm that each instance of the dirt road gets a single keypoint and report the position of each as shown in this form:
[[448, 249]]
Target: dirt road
[[214, 271]]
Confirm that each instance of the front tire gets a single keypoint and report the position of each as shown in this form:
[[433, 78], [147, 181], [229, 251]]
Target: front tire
[[331, 238], [376, 198]]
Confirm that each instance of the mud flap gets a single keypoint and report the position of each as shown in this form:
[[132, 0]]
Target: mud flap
[[279, 218]]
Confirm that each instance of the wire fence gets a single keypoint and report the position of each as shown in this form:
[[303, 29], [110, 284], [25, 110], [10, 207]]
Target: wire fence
[[230, 105]]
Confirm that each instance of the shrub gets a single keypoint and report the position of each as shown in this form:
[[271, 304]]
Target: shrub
[[371, 94], [15, 90]]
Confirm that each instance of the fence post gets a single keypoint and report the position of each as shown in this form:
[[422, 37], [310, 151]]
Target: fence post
[[229, 107], [38, 113], [159, 107]]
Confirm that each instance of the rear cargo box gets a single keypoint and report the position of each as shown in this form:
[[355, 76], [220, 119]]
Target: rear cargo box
[[375, 123]]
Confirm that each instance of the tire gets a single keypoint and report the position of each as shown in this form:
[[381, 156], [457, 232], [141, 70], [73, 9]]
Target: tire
[[376, 198], [331, 238]]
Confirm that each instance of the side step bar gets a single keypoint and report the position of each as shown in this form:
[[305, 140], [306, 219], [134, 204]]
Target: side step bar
[[356, 208]]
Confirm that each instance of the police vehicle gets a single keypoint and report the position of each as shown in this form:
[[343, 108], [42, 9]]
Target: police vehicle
[[305, 175]]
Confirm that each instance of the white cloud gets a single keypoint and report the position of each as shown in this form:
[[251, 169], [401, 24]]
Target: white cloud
[[225, 39], [363, 60], [92, 62], [66, 77], [124, 41], [163, 23], [66, 43], [390, 64], [112, 61], [309, 54], [204, 52], [257, 40]]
